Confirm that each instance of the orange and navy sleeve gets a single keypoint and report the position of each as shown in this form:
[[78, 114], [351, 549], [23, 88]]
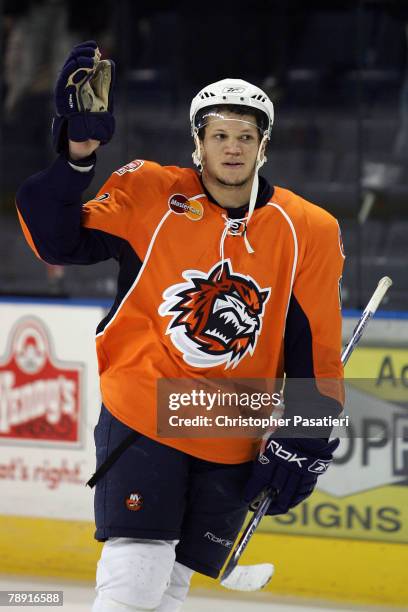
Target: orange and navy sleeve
[[312, 343], [49, 208], [130, 203], [118, 201]]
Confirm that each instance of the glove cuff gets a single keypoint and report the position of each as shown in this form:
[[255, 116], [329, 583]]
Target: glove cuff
[[85, 164], [81, 127]]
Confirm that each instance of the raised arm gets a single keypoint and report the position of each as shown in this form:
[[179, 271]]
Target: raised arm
[[49, 203]]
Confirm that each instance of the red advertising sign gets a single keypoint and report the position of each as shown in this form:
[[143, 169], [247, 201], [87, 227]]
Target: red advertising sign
[[40, 396]]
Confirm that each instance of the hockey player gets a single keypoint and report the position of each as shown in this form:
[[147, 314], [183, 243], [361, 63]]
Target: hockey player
[[221, 275]]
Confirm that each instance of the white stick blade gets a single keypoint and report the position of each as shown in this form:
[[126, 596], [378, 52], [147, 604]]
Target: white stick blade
[[382, 288], [249, 577]]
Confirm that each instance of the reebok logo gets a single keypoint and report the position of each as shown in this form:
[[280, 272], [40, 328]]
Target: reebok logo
[[213, 538], [280, 452], [234, 90], [319, 466], [263, 459]]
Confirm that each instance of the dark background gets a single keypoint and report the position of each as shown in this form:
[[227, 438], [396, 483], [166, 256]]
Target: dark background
[[336, 72]]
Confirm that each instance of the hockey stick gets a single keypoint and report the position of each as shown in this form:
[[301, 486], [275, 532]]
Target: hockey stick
[[383, 285], [254, 577]]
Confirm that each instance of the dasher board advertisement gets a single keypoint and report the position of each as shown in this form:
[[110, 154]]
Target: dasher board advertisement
[[364, 495], [49, 405]]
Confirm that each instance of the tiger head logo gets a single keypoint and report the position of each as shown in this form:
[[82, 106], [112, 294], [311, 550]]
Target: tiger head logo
[[216, 317]]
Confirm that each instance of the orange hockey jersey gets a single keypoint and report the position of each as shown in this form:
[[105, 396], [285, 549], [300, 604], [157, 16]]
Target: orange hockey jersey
[[200, 304]]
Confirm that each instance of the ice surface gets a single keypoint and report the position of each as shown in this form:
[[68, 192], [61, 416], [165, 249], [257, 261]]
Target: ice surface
[[79, 597]]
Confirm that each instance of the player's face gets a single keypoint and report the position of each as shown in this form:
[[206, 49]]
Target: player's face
[[230, 149]]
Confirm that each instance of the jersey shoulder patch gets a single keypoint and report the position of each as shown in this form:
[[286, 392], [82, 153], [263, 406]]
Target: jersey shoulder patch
[[132, 166]]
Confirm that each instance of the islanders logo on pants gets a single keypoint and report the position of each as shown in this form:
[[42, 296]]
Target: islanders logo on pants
[[216, 317]]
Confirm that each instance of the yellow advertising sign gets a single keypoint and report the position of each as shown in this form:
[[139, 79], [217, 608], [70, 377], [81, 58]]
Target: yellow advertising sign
[[364, 495], [380, 514]]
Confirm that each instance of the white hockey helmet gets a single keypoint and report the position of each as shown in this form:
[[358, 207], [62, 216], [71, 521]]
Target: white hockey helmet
[[232, 91]]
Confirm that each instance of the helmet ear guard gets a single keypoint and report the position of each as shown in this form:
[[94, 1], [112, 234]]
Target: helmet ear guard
[[197, 151], [261, 157]]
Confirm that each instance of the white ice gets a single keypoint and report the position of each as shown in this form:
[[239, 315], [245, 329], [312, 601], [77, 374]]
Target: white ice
[[78, 597]]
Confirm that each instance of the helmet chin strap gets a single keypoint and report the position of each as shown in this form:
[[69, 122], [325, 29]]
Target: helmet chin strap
[[260, 160]]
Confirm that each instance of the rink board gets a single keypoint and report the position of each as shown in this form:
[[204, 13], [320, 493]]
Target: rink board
[[318, 568], [346, 543]]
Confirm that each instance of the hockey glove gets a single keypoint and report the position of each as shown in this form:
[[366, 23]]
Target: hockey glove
[[84, 98], [290, 466]]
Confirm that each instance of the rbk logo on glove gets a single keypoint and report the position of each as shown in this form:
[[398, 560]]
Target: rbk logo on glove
[[317, 467], [290, 467], [278, 450]]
